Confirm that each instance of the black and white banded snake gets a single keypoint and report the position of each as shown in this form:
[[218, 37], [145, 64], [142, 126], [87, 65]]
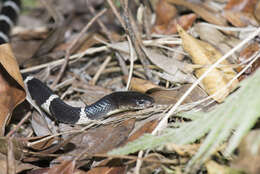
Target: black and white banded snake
[[52, 104]]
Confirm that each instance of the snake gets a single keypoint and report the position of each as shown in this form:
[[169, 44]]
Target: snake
[[51, 103]]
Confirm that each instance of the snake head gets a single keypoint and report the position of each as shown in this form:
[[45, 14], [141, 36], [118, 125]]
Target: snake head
[[131, 100], [142, 101]]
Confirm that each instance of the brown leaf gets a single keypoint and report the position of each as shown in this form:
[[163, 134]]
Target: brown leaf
[[116, 166], [66, 167], [246, 54], [11, 85], [203, 53], [184, 21], [140, 85], [39, 171], [41, 145], [207, 14], [164, 12], [103, 139], [241, 12], [241, 5], [108, 170], [240, 19], [257, 11], [146, 128], [165, 96], [98, 140], [24, 50]]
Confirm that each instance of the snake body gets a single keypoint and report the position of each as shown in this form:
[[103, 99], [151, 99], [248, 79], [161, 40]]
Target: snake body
[[52, 104]]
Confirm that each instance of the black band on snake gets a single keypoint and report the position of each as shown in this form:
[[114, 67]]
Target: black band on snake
[[52, 104]]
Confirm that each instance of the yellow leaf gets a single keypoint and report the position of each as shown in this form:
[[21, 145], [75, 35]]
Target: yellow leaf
[[203, 53]]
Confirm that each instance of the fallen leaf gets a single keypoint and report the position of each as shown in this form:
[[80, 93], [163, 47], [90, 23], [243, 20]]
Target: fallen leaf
[[203, 53], [207, 14], [164, 12], [215, 37], [11, 85], [115, 165], [108, 170], [241, 5], [240, 19], [241, 12], [169, 97], [98, 140], [39, 171], [246, 54], [146, 128], [184, 21], [257, 11], [140, 85], [66, 167], [42, 145]]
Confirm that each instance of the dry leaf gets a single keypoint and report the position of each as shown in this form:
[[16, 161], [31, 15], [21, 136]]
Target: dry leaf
[[66, 167], [115, 165], [203, 53], [98, 140], [140, 85], [41, 145], [165, 96], [146, 128], [184, 21], [246, 54], [164, 12], [241, 12], [240, 19], [39, 171], [213, 36], [207, 14], [241, 5], [257, 11], [120, 169], [11, 85]]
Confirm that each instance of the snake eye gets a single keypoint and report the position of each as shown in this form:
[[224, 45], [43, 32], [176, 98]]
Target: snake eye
[[140, 102]]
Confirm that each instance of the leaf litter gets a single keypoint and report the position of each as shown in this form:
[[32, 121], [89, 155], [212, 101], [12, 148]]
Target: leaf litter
[[200, 69]]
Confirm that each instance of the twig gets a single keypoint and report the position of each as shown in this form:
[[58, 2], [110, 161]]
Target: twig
[[111, 4], [61, 61], [135, 37], [100, 70], [108, 34], [68, 51], [57, 16], [90, 51], [131, 63]]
